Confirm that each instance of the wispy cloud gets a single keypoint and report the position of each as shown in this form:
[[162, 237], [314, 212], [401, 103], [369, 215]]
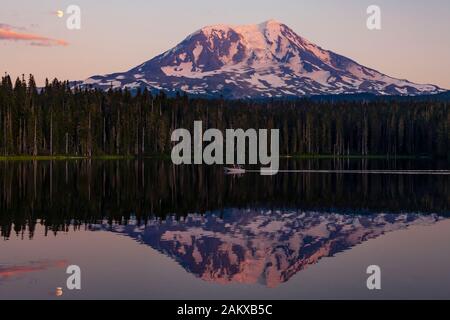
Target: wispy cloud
[[11, 27], [12, 271], [12, 33]]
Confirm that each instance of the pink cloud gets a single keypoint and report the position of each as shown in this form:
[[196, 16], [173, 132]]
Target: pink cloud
[[13, 271], [8, 32]]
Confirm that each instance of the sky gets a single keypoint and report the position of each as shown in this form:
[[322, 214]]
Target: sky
[[117, 35]]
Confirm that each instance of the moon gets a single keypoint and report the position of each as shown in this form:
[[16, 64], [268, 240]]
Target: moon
[[59, 13]]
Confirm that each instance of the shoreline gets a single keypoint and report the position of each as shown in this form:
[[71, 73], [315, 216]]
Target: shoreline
[[167, 157]]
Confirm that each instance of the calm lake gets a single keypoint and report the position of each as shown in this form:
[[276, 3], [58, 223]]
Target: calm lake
[[145, 229]]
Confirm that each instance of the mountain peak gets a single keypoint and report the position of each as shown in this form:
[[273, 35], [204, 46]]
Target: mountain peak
[[256, 61], [271, 23], [261, 27]]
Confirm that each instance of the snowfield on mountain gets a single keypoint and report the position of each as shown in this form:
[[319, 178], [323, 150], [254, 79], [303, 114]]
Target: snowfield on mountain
[[255, 61]]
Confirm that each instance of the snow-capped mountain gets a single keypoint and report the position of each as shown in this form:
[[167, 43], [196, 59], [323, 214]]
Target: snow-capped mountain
[[255, 61]]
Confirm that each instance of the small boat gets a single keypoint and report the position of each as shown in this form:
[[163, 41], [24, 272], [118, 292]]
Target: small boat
[[236, 170]]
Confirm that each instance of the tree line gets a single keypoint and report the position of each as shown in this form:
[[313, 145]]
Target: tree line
[[75, 193], [60, 120]]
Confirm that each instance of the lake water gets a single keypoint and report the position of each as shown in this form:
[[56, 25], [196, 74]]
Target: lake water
[[150, 230]]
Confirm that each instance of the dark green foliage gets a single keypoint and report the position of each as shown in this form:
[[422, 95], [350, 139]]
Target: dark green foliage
[[59, 121]]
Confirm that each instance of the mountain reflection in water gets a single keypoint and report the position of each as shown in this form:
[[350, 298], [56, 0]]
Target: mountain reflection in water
[[260, 246], [133, 214]]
